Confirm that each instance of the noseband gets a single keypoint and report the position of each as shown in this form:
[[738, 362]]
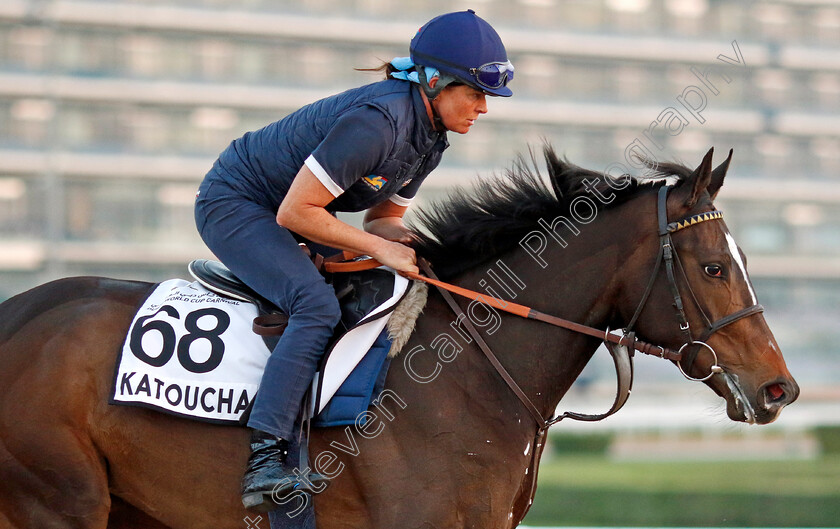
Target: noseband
[[668, 255]]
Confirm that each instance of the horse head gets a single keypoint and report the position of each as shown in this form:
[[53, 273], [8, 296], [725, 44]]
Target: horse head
[[656, 259], [706, 306]]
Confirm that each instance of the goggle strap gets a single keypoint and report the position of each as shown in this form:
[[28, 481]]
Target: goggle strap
[[423, 56]]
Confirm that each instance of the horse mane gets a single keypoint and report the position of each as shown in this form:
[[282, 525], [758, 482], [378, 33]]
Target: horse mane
[[469, 227]]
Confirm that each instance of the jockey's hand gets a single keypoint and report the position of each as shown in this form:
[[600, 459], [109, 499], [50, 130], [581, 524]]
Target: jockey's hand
[[398, 256]]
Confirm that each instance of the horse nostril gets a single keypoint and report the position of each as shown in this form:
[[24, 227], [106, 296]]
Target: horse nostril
[[776, 392], [777, 395]]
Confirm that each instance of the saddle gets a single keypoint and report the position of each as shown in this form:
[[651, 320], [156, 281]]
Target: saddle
[[358, 293]]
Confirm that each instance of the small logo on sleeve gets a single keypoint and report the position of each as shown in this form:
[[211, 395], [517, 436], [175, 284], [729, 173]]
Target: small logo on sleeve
[[375, 182]]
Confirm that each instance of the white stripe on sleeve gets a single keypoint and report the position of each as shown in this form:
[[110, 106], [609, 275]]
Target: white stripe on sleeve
[[400, 201], [322, 176]]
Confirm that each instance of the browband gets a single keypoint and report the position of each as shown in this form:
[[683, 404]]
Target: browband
[[677, 225]]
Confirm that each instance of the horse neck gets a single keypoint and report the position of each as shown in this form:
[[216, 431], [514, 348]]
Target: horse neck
[[580, 283]]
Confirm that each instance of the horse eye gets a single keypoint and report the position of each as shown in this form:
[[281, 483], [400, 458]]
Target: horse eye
[[713, 270]]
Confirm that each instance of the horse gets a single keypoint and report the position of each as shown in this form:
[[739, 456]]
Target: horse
[[447, 443]]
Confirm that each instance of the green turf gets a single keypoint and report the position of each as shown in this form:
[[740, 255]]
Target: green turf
[[592, 490]]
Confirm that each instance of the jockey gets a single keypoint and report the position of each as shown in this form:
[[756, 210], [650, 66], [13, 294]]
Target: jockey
[[366, 149]]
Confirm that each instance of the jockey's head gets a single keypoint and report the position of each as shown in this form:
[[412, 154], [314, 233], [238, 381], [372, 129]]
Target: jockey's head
[[464, 48]]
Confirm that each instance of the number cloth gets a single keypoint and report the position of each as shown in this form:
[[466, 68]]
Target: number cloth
[[190, 352]]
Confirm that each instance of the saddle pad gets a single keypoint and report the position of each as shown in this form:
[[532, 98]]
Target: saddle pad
[[192, 353], [345, 354]]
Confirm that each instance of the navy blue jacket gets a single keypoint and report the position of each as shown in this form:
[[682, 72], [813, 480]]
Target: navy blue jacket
[[366, 145]]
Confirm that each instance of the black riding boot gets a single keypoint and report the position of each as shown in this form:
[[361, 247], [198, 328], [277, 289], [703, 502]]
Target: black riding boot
[[268, 481]]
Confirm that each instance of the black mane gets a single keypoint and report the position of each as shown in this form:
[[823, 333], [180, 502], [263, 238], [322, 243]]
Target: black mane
[[470, 227]]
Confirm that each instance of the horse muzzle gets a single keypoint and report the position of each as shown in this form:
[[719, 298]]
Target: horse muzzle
[[761, 406]]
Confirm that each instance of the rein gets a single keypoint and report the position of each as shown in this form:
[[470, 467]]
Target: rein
[[620, 346]]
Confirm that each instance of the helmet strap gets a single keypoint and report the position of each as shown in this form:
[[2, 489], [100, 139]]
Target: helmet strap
[[431, 93]]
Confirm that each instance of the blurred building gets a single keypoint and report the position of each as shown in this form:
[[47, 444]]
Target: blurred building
[[111, 112]]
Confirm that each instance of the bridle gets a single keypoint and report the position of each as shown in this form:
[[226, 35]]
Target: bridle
[[668, 255], [620, 347]]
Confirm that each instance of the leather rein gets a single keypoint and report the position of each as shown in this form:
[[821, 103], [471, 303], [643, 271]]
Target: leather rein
[[621, 347]]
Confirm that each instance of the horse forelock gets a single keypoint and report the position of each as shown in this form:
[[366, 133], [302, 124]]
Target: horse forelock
[[469, 227]]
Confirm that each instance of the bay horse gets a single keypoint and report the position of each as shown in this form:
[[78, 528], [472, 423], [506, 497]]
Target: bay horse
[[449, 445]]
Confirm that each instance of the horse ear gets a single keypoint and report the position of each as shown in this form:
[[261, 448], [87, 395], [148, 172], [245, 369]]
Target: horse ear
[[718, 175], [699, 180]]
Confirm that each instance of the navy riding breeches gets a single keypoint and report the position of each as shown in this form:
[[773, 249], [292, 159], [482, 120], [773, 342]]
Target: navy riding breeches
[[246, 237]]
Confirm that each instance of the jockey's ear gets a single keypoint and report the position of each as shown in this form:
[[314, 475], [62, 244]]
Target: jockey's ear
[[696, 184], [718, 175]]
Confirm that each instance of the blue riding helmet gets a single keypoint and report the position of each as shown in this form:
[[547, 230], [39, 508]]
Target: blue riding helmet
[[465, 48]]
